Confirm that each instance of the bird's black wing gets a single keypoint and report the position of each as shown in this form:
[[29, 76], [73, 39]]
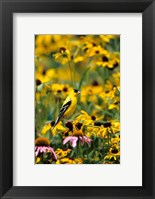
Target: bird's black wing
[[62, 111]]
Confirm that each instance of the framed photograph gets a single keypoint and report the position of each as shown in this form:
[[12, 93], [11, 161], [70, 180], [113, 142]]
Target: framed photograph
[[77, 99]]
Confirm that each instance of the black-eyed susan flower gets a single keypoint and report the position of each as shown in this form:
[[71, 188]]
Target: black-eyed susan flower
[[41, 78], [115, 141], [115, 126], [108, 60], [49, 127], [114, 105], [95, 50], [61, 153], [64, 55], [60, 90], [111, 127], [87, 119], [113, 154]]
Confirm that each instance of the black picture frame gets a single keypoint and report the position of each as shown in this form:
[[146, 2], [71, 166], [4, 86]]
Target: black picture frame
[[7, 8]]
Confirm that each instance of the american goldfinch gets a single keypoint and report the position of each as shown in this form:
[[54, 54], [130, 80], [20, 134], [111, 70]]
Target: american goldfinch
[[68, 106]]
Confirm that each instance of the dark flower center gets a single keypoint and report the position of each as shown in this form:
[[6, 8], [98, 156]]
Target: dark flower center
[[114, 151], [93, 117], [66, 134], [65, 149], [45, 46], [85, 49], [69, 125], [52, 123], [44, 72], [38, 82], [78, 125], [42, 142], [116, 64], [97, 124], [104, 58], [62, 49], [116, 103], [95, 83], [107, 124], [65, 89], [58, 91], [94, 44], [97, 51]]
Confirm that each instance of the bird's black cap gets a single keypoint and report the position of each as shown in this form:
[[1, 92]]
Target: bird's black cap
[[75, 90]]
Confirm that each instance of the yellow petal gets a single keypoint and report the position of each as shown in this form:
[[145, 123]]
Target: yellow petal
[[46, 128], [38, 160]]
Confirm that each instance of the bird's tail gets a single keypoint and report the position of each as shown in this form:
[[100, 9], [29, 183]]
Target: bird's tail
[[56, 122]]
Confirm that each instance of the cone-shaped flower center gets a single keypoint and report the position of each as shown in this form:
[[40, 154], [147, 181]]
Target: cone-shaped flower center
[[42, 142]]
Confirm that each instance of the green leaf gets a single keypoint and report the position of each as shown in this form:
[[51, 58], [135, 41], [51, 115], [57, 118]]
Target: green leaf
[[100, 100]]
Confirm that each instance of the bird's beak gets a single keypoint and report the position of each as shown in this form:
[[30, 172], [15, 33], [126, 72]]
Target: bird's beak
[[78, 92]]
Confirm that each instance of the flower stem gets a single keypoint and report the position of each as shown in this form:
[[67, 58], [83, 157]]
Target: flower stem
[[74, 75], [70, 68], [79, 151]]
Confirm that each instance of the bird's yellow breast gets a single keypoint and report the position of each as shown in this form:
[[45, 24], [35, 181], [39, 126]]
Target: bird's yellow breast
[[71, 108]]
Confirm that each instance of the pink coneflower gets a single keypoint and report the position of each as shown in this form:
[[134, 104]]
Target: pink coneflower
[[74, 139], [42, 146]]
